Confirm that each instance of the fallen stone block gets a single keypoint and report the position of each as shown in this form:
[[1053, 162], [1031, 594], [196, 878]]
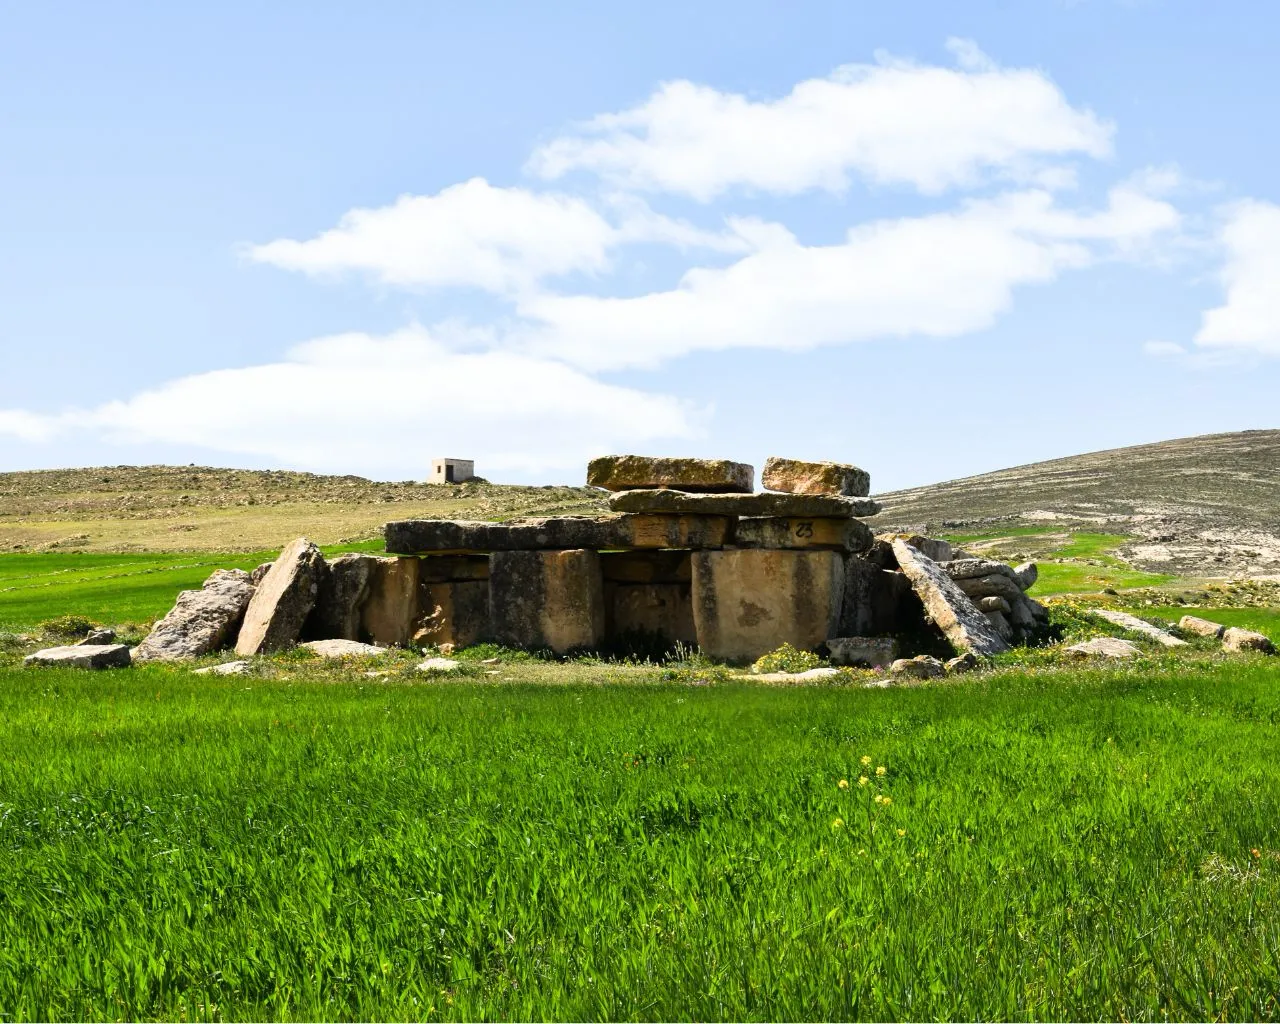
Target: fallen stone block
[[1238, 640], [995, 585], [82, 656], [920, 667], [993, 603], [634, 472], [227, 668], [946, 605], [201, 621], [751, 601], [549, 599], [1201, 627], [563, 533], [454, 613], [663, 609], [439, 665], [389, 614], [793, 476], [1135, 625], [1026, 574], [801, 534], [283, 600], [341, 598], [330, 649], [1105, 647], [863, 651], [961, 664], [786, 506]]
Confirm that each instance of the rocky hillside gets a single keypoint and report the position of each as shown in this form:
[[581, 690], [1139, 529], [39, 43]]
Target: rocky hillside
[[1204, 506]]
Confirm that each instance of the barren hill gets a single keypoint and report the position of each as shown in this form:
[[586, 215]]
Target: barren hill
[[1206, 506]]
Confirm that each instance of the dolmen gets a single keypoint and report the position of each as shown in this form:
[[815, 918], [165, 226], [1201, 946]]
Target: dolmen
[[688, 553]]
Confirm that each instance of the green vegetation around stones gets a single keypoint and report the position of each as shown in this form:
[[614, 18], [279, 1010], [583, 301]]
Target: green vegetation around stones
[[1099, 844]]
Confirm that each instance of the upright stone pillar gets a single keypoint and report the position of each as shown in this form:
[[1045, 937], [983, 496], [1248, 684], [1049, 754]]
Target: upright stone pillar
[[549, 599], [394, 604]]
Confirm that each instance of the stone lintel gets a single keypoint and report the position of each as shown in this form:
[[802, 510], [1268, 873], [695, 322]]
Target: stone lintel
[[629, 472], [802, 533], [610, 533], [786, 506]]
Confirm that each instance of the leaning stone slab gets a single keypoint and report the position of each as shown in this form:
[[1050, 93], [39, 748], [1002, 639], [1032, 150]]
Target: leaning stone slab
[[863, 651], [82, 656], [1236, 640], [563, 533], [799, 534], [342, 649], [1201, 627], [788, 506], [947, 605], [795, 477], [549, 599], [1135, 625], [751, 601], [201, 621], [343, 592], [634, 472], [1105, 647], [283, 600]]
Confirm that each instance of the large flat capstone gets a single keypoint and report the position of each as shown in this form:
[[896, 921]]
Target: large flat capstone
[[796, 477], [749, 602], [82, 656], [549, 599], [283, 600], [946, 604], [788, 506], [201, 621], [563, 533], [630, 472]]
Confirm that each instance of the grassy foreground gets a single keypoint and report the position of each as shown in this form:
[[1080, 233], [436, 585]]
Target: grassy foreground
[[1064, 845]]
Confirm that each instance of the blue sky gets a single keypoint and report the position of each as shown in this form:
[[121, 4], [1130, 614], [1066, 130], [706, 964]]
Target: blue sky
[[931, 239]]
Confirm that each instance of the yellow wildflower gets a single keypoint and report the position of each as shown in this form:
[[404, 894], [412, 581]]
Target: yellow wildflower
[[866, 759], [902, 832], [887, 801], [881, 771], [838, 823], [843, 783], [862, 780], [879, 798]]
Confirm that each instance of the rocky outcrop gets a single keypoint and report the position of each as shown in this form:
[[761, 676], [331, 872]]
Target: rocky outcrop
[[795, 477], [283, 600], [82, 656], [946, 605], [787, 506], [633, 472], [201, 621]]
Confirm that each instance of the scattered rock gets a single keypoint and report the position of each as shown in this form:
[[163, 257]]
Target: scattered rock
[[795, 477], [1105, 647], [1201, 627], [863, 651], [227, 668], [947, 605], [342, 649], [99, 637], [1237, 640], [201, 621], [283, 600], [994, 603], [1027, 573], [809, 675], [82, 656], [786, 506], [961, 664], [439, 665], [634, 472], [840, 534], [920, 667], [1135, 625]]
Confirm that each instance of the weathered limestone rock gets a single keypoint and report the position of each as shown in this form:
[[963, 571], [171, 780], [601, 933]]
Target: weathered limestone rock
[[976, 568], [1135, 625], [920, 667], [227, 668], [876, 601], [564, 533], [283, 600], [1000, 624], [390, 613], [947, 605], [1027, 573], [749, 602], [99, 636], [881, 553], [454, 613], [961, 664], [634, 472], [993, 604], [1105, 647], [1236, 640], [343, 592], [809, 675], [440, 665], [800, 534], [82, 656], [995, 585], [260, 573], [930, 547], [1201, 627], [342, 649], [646, 567], [201, 621], [787, 506], [795, 477], [1023, 613], [549, 599], [863, 651], [659, 608]]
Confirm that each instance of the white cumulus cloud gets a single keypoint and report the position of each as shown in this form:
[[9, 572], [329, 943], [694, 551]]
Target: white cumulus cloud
[[1249, 319], [891, 122]]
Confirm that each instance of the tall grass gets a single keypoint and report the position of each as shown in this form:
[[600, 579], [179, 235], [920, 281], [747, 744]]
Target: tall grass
[[1099, 844]]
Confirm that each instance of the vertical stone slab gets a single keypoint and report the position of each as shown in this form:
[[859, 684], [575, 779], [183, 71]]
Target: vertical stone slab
[[283, 600], [877, 602], [391, 611], [549, 599], [343, 593], [662, 608], [454, 612], [749, 602]]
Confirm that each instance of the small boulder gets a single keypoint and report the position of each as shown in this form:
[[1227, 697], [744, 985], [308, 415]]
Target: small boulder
[[863, 651], [961, 664], [1201, 627], [82, 656], [98, 636], [342, 649], [994, 603], [439, 665], [1105, 647], [1237, 640], [994, 585], [283, 600], [920, 667]]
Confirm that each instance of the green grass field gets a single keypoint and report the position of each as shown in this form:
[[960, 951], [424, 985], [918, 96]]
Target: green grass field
[[1063, 846]]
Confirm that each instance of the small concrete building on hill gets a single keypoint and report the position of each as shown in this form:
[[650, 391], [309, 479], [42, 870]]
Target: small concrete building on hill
[[452, 471]]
